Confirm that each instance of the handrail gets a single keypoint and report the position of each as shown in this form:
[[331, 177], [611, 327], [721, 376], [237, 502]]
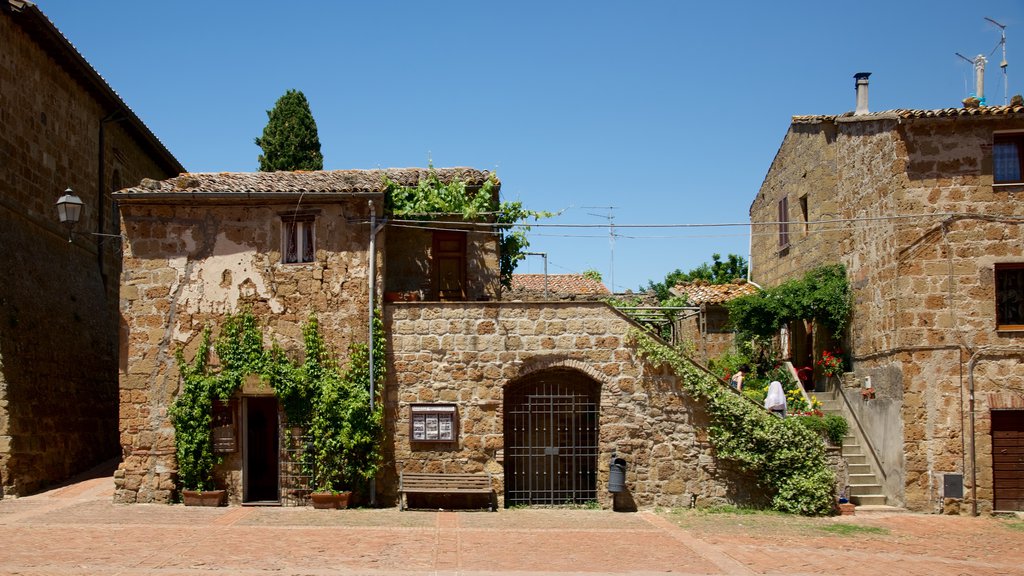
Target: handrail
[[860, 427]]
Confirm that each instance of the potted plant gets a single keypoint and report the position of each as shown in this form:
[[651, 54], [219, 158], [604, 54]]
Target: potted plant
[[345, 430], [191, 415]]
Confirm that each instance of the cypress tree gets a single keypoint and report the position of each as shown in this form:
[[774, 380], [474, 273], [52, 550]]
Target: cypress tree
[[290, 140]]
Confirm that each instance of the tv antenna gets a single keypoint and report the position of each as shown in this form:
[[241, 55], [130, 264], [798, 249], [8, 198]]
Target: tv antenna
[[1003, 64], [611, 237]]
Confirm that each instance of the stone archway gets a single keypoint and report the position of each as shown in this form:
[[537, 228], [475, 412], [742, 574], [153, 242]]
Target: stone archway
[[551, 438]]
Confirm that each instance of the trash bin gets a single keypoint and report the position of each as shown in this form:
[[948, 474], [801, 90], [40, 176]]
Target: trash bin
[[617, 475]]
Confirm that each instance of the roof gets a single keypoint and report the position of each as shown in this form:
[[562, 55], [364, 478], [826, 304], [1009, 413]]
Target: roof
[[558, 284], [31, 19], [906, 114], [701, 292], [319, 182]]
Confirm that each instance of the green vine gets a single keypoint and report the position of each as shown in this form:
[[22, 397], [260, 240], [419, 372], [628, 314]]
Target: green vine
[[431, 197], [823, 294], [332, 405], [787, 458]]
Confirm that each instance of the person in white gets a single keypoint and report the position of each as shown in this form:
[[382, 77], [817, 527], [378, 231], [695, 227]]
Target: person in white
[[775, 400]]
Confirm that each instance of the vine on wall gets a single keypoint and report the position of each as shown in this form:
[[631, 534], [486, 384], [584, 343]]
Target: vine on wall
[[787, 458], [431, 197], [331, 403]]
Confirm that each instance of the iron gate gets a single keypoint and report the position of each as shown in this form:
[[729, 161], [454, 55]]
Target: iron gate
[[551, 439]]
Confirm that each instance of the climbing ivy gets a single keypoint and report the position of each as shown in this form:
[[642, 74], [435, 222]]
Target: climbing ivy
[[787, 458], [823, 294], [333, 405], [431, 198]]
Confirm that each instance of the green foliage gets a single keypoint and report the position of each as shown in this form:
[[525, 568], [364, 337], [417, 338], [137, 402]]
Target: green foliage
[[850, 529], [823, 294], [832, 426], [718, 272], [332, 405], [431, 198], [592, 274], [787, 458], [290, 140], [191, 415]]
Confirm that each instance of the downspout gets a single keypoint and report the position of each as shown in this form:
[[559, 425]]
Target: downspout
[[983, 351], [374, 229]]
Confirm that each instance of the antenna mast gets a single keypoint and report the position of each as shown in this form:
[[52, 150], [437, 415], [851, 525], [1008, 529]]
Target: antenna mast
[[1003, 64], [611, 237]]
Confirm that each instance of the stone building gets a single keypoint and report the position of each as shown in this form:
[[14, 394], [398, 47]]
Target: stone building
[[540, 394], [923, 209], [708, 329], [61, 126]]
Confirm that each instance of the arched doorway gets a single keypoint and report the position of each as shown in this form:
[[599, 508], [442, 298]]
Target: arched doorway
[[551, 438]]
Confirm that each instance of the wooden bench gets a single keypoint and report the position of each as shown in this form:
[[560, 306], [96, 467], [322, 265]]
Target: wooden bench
[[425, 483]]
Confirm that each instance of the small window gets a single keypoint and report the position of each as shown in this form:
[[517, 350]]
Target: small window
[[298, 239], [1008, 158], [1010, 296], [783, 224]]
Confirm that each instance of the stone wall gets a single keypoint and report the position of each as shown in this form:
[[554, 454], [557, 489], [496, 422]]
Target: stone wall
[[58, 330], [923, 285], [186, 266], [468, 354], [409, 269]]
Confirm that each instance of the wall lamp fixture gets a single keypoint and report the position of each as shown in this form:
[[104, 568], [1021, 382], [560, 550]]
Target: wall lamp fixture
[[69, 211]]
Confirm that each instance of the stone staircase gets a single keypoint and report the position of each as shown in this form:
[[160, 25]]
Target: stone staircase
[[865, 489]]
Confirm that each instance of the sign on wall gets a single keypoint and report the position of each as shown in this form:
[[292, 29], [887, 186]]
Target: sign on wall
[[434, 423]]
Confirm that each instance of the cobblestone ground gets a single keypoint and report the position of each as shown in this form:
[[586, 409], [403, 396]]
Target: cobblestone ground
[[77, 530]]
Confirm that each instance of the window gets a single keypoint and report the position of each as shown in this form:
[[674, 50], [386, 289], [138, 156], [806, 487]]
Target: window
[[783, 224], [1010, 296], [297, 238], [1008, 158], [803, 211]]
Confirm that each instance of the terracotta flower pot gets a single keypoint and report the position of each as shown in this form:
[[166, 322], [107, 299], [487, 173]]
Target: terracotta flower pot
[[204, 497], [329, 500]]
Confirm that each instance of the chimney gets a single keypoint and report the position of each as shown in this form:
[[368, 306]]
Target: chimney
[[979, 77], [862, 92]]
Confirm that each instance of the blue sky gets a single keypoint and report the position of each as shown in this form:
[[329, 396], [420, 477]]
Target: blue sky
[[670, 111]]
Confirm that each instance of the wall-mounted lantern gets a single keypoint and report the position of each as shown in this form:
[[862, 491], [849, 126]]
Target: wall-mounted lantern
[[69, 210]]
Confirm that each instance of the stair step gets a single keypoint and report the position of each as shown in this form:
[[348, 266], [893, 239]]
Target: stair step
[[868, 499], [865, 489], [855, 469], [855, 458]]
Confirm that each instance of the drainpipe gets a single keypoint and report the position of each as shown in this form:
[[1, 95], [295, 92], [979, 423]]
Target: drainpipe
[[374, 229], [983, 351]]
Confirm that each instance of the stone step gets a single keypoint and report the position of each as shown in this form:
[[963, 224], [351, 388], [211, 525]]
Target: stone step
[[880, 509], [864, 489], [863, 468], [868, 499], [863, 479], [855, 458]]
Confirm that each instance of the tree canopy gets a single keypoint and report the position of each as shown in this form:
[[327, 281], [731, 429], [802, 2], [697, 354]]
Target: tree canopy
[[290, 140], [717, 272]]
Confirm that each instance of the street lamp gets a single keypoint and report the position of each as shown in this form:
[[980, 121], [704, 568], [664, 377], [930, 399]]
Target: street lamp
[[69, 210]]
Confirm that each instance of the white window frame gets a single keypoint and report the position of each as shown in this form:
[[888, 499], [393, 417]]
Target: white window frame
[[304, 254]]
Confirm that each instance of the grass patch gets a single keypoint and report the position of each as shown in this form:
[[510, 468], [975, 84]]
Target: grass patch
[[1014, 525], [849, 529], [730, 509]]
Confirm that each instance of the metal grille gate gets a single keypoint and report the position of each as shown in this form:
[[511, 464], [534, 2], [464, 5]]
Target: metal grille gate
[[551, 439]]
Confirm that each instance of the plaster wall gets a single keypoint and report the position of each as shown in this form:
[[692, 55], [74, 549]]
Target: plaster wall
[[187, 266]]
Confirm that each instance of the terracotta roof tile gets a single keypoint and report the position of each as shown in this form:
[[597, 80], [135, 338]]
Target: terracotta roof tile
[[699, 292], [910, 114], [299, 181], [558, 284]]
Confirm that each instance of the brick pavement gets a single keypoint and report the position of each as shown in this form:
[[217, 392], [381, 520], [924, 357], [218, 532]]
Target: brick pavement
[[77, 530]]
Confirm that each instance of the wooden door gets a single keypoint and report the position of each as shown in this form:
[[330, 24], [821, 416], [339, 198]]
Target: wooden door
[[1008, 460], [449, 265]]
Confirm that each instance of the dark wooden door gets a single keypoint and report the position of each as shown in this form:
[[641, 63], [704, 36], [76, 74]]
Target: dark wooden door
[[449, 265], [260, 467], [1008, 459]]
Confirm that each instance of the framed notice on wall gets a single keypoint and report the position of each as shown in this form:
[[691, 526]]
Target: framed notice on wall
[[223, 427], [434, 423]]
